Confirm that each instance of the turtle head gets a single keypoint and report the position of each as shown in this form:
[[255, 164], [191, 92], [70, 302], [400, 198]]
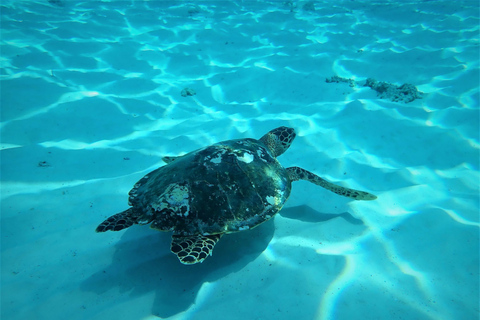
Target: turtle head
[[278, 140]]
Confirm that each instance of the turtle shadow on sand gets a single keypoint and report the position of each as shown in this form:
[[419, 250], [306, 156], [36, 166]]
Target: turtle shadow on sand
[[308, 214], [138, 269]]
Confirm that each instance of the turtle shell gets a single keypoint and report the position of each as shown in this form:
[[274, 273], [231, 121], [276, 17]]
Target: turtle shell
[[227, 187]]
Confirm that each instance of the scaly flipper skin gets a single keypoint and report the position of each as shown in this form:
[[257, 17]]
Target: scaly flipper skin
[[296, 173], [194, 249], [118, 221]]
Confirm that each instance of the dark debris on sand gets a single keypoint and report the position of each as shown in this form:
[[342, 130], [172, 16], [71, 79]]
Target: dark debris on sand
[[405, 93]]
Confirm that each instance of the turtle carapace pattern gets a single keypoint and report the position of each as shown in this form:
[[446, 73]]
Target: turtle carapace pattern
[[227, 187]]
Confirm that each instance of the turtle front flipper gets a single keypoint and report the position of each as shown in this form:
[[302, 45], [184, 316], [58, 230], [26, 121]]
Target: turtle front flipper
[[194, 249], [118, 221], [296, 173]]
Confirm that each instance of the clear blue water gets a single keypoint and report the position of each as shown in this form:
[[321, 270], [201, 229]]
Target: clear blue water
[[91, 100]]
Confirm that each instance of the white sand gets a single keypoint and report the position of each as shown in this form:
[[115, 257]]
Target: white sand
[[90, 101]]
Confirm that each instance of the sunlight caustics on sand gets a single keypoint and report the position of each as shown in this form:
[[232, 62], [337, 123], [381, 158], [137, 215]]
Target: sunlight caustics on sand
[[91, 100]]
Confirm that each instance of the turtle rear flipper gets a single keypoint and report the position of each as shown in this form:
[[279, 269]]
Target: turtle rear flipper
[[118, 221], [296, 173], [194, 249]]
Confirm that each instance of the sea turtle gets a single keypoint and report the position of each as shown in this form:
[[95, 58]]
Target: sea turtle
[[227, 187]]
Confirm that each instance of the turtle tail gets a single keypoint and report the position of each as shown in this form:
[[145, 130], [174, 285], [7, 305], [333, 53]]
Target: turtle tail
[[118, 221]]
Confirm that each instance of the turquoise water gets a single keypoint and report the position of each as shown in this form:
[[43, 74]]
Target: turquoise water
[[91, 100]]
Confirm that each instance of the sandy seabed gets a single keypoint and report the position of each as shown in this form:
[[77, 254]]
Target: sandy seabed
[[91, 100]]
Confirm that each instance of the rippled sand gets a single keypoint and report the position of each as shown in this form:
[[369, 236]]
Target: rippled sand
[[91, 100]]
